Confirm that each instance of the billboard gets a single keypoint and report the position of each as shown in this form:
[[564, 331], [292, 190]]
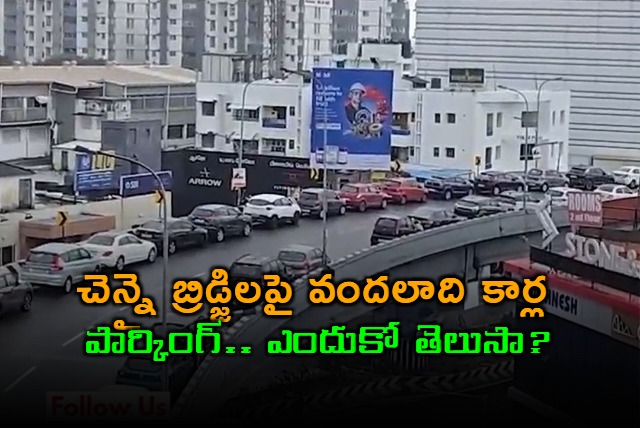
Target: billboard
[[94, 172], [585, 209], [352, 108]]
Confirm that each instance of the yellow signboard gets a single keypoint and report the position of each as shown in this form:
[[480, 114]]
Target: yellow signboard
[[101, 162]]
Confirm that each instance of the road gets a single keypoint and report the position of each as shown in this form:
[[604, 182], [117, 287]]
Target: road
[[43, 351]]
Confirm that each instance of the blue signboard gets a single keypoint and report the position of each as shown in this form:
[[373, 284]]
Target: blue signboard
[[92, 173], [142, 184], [352, 108]]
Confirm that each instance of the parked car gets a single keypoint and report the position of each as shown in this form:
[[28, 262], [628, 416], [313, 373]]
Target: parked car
[[59, 265], [362, 196], [403, 190], [614, 191], [558, 195], [273, 210], [627, 175], [516, 199], [118, 250], [220, 221], [311, 203], [182, 234], [542, 180], [588, 177], [474, 206], [448, 188], [301, 259], [15, 294], [430, 218], [252, 268], [390, 227], [495, 182]]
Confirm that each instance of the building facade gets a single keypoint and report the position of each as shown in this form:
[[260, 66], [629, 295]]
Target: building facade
[[588, 44], [450, 127]]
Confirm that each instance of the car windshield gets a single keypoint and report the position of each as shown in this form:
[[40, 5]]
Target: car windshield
[[535, 173], [578, 169], [259, 202], [202, 213], [555, 193], [292, 256], [607, 187], [626, 169], [308, 196], [240, 270], [39, 257], [349, 189], [153, 224], [103, 240], [385, 224], [468, 203], [391, 183]]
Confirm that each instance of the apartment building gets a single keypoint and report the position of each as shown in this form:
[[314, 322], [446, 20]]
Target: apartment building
[[355, 20], [591, 45]]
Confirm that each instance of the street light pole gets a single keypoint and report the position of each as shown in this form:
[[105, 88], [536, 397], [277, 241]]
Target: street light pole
[[526, 143], [241, 144], [555, 79], [165, 237], [325, 203]]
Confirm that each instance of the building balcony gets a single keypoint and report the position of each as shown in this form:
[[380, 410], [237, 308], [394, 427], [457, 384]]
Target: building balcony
[[270, 122], [19, 115], [400, 130]]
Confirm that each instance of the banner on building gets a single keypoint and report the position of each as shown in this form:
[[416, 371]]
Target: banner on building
[[351, 114]]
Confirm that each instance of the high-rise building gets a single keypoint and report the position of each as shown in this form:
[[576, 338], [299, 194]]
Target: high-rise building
[[355, 20], [591, 45]]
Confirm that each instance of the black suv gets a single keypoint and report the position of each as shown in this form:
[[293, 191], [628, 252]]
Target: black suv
[[588, 177], [494, 182], [252, 268], [311, 203], [392, 226], [182, 234], [479, 206], [448, 187], [221, 221]]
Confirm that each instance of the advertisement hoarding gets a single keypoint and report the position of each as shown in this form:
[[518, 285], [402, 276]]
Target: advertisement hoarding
[[94, 172], [143, 184], [585, 209], [352, 108]]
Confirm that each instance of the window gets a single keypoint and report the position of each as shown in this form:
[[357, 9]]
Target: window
[[489, 124], [528, 149], [436, 152], [365, 28], [208, 108], [131, 8], [498, 152], [436, 118], [450, 152], [175, 132], [553, 118], [561, 117], [451, 118], [498, 120], [317, 12], [212, 25], [316, 45], [316, 28], [212, 42], [191, 130], [488, 152], [292, 111], [130, 23]]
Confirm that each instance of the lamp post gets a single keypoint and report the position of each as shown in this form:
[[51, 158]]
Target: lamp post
[[325, 202], [555, 79], [165, 236], [241, 144], [526, 142]]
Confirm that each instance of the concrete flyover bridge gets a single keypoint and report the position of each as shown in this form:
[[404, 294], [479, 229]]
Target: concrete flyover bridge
[[466, 249]]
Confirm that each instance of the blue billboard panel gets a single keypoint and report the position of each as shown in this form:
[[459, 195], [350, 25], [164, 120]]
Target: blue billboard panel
[[142, 184], [351, 110], [93, 173]]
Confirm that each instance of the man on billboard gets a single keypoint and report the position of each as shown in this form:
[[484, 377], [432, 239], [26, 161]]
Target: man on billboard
[[366, 120]]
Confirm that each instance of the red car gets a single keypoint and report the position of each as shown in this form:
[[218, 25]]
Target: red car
[[361, 196], [403, 190]]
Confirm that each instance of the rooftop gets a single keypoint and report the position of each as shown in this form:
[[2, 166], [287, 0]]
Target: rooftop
[[9, 170], [84, 76]]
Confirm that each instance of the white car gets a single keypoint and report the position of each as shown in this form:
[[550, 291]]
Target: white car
[[614, 191], [628, 175], [558, 196], [118, 249], [273, 209]]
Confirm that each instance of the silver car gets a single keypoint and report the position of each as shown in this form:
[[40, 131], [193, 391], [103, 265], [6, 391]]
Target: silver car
[[60, 265], [15, 294]]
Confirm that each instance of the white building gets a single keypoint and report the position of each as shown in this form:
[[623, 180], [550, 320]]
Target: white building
[[591, 45], [446, 127]]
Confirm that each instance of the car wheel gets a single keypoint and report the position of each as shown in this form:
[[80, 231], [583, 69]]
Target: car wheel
[[544, 187], [519, 188], [362, 207], [588, 185], [120, 264], [27, 302], [343, 210], [496, 190], [566, 184], [383, 204], [153, 254], [633, 184], [172, 247], [273, 222], [202, 241], [68, 285], [424, 198], [246, 230], [220, 235], [403, 200], [447, 195], [296, 219]]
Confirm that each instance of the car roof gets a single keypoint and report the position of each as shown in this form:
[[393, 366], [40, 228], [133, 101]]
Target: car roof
[[55, 247], [563, 189], [476, 198], [267, 196], [390, 217], [361, 184], [313, 190], [609, 186], [211, 206], [298, 248], [253, 259], [112, 233]]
